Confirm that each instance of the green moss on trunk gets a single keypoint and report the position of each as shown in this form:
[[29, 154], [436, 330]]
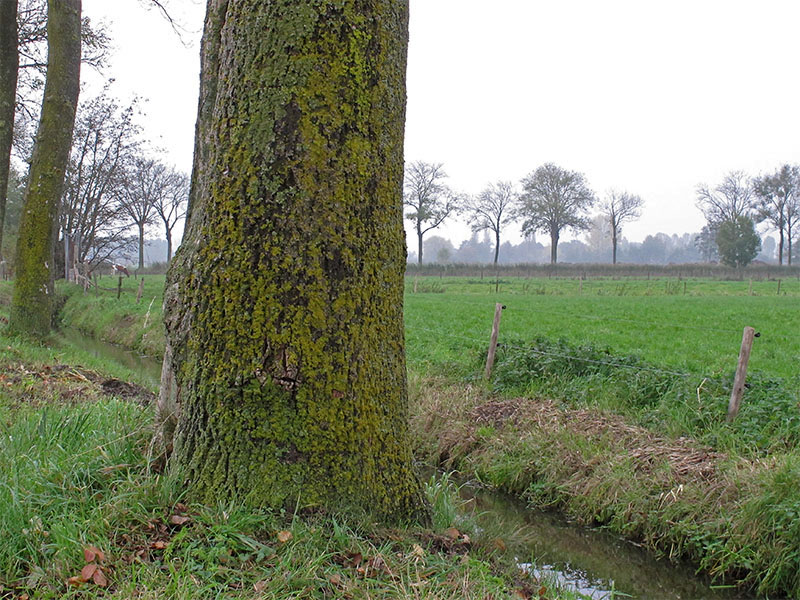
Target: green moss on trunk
[[284, 304], [32, 304]]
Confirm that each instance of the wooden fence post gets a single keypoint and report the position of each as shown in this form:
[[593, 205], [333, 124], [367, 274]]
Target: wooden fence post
[[779, 287], [498, 310], [141, 288], [119, 288], [741, 373]]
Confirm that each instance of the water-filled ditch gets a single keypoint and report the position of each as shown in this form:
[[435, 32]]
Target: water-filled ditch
[[590, 561]]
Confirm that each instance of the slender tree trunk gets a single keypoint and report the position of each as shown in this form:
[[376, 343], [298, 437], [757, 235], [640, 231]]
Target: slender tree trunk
[[553, 247], [780, 245], [284, 306], [614, 247], [496, 245], [31, 308], [169, 244], [9, 67], [419, 246], [141, 245]]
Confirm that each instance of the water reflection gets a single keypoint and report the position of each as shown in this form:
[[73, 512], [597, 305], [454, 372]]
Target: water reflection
[[147, 368], [590, 561]]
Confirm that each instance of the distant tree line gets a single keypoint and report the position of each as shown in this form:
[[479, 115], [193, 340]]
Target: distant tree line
[[552, 199]]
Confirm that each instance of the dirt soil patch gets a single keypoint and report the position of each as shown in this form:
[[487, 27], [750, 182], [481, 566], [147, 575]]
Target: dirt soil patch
[[35, 385], [687, 459]]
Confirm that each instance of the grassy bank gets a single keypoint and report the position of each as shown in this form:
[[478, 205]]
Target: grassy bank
[[735, 517], [85, 513]]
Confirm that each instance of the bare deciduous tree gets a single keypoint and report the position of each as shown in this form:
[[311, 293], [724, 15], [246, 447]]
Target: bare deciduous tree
[[104, 145], [142, 189], [554, 199], [777, 197], [429, 199], [619, 208], [170, 206], [492, 210], [731, 199]]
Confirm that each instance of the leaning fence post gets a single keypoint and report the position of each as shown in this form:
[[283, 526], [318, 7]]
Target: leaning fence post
[[141, 288], [498, 310], [741, 373], [119, 288]]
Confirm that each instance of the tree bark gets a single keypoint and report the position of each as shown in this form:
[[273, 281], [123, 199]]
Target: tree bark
[[141, 245], [31, 308], [169, 244], [613, 246], [419, 247], [9, 68], [553, 247], [496, 245], [283, 305]]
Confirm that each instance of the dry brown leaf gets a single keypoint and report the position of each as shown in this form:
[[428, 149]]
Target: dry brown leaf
[[284, 536], [179, 520], [88, 555], [159, 545], [335, 579], [88, 571], [260, 586], [452, 533], [99, 578], [76, 581]]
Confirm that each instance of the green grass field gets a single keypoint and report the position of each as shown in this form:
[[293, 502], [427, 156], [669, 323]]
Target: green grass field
[[449, 321]]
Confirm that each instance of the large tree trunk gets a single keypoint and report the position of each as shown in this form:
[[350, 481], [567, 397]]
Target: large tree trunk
[[284, 303], [9, 67], [31, 308], [496, 245], [419, 246], [553, 247]]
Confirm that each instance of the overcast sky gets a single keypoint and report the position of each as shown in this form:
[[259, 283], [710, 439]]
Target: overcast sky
[[649, 97]]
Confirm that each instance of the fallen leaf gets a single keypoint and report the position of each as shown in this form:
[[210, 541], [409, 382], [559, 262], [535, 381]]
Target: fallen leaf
[[179, 520], [353, 559], [465, 539], [542, 591], [499, 544], [260, 586], [284, 536], [335, 579], [417, 551], [159, 545], [88, 571], [452, 533], [88, 555], [76, 581], [99, 578]]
